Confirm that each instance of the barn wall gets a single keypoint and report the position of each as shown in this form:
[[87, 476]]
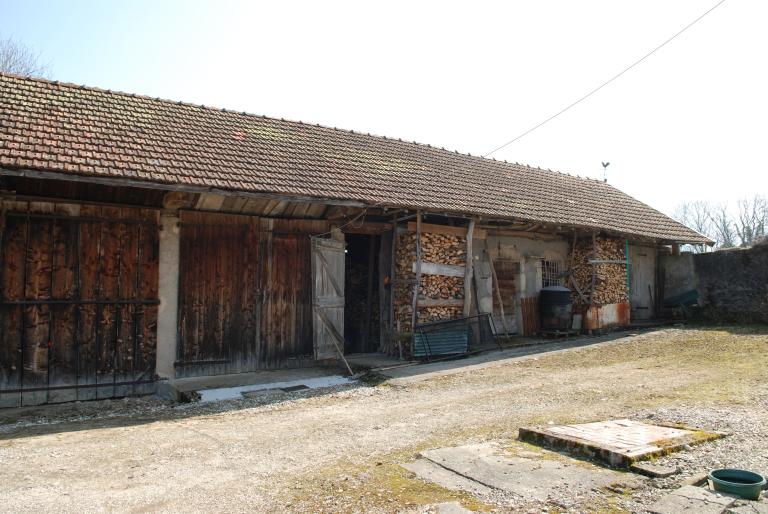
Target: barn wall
[[244, 293], [528, 253]]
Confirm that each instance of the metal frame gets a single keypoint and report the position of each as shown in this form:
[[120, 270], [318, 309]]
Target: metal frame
[[469, 320]]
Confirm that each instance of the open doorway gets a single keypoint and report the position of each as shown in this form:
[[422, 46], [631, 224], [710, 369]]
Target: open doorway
[[361, 304]]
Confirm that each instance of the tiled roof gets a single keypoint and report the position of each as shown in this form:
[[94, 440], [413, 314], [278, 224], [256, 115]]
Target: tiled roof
[[71, 129]]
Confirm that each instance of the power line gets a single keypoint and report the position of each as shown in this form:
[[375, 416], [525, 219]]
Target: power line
[[601, 86]]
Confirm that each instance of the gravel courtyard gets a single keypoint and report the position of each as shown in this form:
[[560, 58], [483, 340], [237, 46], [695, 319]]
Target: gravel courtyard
[[340, 450]]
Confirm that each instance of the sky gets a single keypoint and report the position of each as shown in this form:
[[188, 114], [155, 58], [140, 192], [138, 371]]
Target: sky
[[689, 123]]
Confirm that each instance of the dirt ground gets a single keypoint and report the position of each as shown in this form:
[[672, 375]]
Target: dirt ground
[[340, 450]]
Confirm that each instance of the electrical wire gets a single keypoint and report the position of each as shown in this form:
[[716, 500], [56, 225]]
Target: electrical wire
[[601, 86]]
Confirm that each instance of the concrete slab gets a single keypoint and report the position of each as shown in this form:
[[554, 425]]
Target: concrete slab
[[618, 442], [252, 378], [428, 470], [693, 500], [233, 386], [530, 478]]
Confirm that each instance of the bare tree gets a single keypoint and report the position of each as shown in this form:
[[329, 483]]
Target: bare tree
[[17, 58], [744, 227], [697, 215], [723, 226], [751, 219]]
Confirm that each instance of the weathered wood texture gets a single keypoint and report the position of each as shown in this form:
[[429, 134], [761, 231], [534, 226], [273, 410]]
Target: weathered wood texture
[[328, 298], [529, 310], [505, 273], [78, 301], [244, 293]]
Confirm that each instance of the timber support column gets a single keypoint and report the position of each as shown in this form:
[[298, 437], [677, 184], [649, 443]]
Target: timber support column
[[168, 293]]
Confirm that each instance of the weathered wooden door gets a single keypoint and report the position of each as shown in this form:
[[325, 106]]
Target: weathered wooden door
[[642, 279], [78, 302], [286, 310], [218, 296], [328, 297]]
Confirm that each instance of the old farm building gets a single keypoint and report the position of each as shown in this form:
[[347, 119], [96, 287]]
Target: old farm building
[[143, 238]]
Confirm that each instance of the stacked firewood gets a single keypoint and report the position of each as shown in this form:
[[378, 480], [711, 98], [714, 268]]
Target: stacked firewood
[[443, 248], [437, 249], [441, 287], [610, 278], [427, 314]]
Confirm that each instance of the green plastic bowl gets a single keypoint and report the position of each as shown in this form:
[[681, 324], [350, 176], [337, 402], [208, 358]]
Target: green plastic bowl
[[737, 481]]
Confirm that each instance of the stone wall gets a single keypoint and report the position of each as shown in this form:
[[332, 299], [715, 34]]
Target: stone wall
[[727, 285]]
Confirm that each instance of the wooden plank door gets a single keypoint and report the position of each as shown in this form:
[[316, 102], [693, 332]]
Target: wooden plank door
[[642, 280], [218, 297], [286, 310], [328, 297]]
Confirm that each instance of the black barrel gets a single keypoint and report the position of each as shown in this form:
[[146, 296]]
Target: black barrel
[[556, 308]]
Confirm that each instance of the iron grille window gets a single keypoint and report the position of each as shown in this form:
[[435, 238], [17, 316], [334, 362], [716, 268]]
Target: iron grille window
[[550, 273]]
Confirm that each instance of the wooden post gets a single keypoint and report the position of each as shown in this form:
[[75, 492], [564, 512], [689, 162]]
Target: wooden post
[[415, 302], [495, 286], [392, 282], [468, 271], [369, 293]]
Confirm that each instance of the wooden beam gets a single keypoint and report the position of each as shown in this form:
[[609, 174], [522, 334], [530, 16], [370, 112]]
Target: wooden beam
[[392, 281], [518, 233], [446, 270], [468, 268], [447, 230], [369, 292], [144, 184], [440, 302], [437, 229], [370, 228], [415, 302]]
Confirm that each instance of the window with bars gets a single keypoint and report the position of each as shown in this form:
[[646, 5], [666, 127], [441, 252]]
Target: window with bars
[[550, 273]]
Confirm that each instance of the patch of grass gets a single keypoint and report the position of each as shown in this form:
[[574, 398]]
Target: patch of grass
[[384, 487]]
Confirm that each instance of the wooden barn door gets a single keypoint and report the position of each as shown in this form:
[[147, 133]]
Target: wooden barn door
[[328, 297], [286, 309], [218, 294], [78, 302]]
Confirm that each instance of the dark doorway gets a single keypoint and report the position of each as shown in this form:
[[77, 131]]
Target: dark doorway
[[361, 308]]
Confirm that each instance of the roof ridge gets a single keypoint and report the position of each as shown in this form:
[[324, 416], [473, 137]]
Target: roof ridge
[[295, 122]]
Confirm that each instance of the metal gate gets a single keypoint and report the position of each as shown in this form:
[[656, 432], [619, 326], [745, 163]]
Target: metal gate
[[78, 302]]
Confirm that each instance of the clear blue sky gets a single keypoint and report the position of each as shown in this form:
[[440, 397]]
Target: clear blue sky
[[689, 123]]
